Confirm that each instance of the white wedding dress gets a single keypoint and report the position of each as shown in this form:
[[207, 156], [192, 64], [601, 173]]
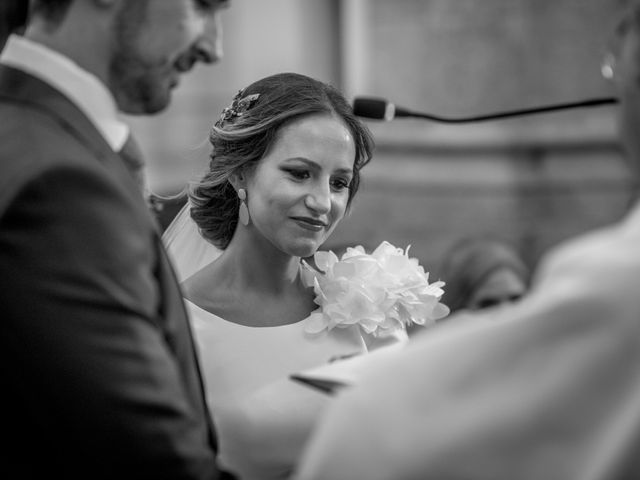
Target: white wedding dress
[[262, 417]]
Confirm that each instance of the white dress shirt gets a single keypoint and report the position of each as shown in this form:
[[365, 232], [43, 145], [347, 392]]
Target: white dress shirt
[[83, 88]]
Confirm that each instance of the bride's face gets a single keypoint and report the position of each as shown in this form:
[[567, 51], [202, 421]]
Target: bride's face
[[299, 191]]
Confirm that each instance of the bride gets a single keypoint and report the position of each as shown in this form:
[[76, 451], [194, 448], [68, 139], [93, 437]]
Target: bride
[[284, 168]]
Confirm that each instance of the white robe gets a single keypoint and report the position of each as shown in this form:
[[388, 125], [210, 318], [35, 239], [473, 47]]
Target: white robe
[[548, 388]]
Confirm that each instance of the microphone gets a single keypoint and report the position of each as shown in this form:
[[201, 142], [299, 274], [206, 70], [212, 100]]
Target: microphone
[[381, 109]]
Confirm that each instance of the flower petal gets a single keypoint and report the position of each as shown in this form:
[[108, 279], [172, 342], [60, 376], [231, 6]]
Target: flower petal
[[315, 323], [382, 292], [325, 260], [440, 310]]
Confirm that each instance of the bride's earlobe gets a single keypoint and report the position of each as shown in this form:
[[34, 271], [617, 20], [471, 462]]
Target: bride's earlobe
[[243, 211]]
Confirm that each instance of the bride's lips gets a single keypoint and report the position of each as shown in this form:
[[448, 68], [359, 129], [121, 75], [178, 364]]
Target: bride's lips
[[312, 224]]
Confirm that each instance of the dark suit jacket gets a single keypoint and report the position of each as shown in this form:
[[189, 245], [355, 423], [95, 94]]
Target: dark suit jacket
[[99, 373]]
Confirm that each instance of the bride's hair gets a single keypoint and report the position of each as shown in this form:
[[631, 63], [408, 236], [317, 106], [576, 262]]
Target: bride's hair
[[243, 136]]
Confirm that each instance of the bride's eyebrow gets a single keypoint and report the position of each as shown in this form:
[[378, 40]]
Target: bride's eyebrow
[[317, 166], [309, 163]]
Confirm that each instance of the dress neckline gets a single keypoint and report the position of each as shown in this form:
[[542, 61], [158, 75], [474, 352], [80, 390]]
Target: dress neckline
[[239, 325], [307, 274]]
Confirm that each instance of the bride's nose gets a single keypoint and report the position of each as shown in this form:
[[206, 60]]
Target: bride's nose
[[319, 198]]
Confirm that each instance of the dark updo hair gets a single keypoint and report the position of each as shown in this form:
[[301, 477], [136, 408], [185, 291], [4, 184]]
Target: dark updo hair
[[241, 141]]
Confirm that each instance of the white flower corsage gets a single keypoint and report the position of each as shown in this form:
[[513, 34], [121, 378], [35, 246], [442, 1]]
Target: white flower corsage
[[382, 292]]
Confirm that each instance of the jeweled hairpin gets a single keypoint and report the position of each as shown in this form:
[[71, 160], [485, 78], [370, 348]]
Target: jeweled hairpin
[[238, 107]]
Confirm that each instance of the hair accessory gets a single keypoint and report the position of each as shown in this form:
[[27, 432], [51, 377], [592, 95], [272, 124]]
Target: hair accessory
[[243, 211], [238, 106]]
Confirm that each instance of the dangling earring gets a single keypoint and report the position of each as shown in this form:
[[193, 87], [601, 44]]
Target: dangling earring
[[608, 66], [243, 211]]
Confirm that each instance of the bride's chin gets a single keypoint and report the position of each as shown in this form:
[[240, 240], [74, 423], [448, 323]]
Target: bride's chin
[[303, 249]]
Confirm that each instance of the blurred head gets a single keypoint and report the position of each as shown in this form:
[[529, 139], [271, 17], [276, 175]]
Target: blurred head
[[297, 151], [624, 69], [483, 273], [139, 48], [155, 42]]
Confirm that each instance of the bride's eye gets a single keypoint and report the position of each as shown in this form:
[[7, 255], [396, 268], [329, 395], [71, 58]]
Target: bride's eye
[[298, 174], [340, 184]]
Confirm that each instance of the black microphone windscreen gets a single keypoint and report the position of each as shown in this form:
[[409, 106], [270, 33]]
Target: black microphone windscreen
[[370, 107]]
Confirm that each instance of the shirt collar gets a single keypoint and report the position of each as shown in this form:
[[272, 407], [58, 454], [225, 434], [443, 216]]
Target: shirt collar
[[80, 86]]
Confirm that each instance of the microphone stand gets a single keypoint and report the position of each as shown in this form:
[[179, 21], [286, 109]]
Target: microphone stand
[[513, 113], [402, 112]]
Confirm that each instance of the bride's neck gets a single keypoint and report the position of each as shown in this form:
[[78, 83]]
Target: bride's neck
[[260, 267]]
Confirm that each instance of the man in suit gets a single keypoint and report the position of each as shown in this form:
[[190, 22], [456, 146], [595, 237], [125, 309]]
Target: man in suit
[[548, 388], [100, 375]]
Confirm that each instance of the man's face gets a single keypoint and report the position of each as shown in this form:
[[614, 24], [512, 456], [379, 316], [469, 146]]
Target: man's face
[[155, 41], [627, 79]]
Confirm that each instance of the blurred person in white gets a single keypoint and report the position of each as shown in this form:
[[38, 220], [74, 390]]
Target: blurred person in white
[[284, 169], [548, 388]]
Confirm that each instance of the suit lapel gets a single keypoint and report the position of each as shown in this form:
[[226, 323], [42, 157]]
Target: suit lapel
[[20, 87]]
